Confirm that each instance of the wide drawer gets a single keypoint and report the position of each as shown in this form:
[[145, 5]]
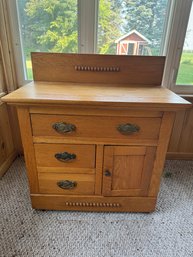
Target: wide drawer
[[65, 156], [95, 126], [66, 184]]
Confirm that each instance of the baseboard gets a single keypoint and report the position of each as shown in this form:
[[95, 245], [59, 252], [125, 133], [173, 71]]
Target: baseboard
[[7, 163], [179, 156]]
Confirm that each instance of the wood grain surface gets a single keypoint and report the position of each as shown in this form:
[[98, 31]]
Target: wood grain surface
[[93, 94], [95, 126], [79, 68]]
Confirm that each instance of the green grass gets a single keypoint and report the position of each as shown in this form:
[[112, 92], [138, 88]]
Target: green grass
[[185, 73], [29, 70]]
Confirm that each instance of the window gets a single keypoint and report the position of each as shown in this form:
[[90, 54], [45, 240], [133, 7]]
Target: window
[[124, 27], [47, 26], [136, 22], [179, 75], [100, 26], [185, 71]]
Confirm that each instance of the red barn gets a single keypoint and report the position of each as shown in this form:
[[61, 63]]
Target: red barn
[[133, 43]]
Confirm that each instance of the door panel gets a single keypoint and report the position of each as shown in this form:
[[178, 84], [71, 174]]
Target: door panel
[[127, 170]]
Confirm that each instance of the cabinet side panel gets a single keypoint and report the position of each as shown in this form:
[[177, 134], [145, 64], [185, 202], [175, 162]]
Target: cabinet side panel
[[7, 149], [26, 134], [148, 167], [165, 132]]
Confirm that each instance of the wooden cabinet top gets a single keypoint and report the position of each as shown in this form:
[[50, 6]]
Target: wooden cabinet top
[[53, 93]]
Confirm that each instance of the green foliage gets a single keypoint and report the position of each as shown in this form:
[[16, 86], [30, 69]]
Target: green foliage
[[48, 25], [109, 28], [147, 17], [117, 18], [51, 25]]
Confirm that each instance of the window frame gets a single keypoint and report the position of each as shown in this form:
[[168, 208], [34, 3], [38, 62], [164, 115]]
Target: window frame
[[177, 17], [17, 43], [174, 48], [87, 33], [10, 80]]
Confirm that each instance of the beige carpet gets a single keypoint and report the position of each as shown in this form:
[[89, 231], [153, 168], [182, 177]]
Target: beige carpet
[[168, 232]]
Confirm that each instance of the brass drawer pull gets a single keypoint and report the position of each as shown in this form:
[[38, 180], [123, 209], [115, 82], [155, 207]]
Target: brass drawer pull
[[65, 156], [128, 129], [63, 127], [67, 184]]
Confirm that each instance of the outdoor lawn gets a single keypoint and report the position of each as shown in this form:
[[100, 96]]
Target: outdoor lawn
[[29, 69], [185, 75]]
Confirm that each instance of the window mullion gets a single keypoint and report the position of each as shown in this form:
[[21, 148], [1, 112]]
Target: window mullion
[[87, 17], [167, 27]]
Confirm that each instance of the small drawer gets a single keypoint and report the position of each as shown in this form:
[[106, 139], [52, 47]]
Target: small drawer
[[96, 126], [65, 156], [66, 184]]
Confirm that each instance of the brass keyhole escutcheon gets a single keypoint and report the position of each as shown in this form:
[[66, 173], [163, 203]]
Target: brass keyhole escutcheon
[[107, 173]]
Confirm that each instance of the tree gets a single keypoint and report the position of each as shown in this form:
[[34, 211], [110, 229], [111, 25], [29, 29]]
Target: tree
[[53, 24], [109, 28], [28, 41], [38, 21]]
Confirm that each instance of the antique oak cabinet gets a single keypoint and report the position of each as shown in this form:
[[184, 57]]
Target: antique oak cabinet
[[95, 131]]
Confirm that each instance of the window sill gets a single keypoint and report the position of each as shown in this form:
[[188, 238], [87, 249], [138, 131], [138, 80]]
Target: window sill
[[188, 97]]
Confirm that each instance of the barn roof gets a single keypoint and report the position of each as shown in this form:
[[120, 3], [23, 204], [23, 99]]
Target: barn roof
[[130, 33]]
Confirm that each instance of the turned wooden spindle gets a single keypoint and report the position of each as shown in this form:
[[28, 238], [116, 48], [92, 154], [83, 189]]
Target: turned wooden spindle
[[96, 68]]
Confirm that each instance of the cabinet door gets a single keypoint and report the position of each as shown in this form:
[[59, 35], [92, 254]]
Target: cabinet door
[[127, 170]]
